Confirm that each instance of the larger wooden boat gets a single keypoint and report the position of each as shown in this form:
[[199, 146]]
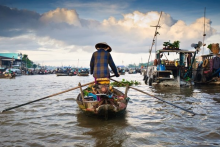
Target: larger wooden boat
[[170, 72], [63, 71], [208, 70], [111, 102]]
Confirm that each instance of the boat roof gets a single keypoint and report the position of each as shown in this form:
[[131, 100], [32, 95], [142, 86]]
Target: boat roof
[[120, 66], [211, 54], [83, 68], [177, 51]]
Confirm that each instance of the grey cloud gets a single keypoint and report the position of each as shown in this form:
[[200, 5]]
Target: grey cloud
[[14, 22], [123, 35], [13, 45]]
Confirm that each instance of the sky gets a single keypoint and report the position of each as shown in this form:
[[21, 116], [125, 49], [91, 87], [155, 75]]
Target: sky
[[64, 32]]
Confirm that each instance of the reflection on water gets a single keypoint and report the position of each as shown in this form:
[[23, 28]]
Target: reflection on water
[[57, 121], [104, 133]]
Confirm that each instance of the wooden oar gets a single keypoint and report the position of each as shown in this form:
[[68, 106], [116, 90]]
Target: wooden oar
[[158, 98], [46, 97]]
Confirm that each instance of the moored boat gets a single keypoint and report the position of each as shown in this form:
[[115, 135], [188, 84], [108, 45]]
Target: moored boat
[[83, 72], [9, 73], [132, 71], [62, 74], [63, 71], [208, 70], [73, 72], [121, 69], [7, 76], [166, 71]]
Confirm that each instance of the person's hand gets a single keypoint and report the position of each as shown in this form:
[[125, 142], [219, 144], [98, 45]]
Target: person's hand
[[117, 75]]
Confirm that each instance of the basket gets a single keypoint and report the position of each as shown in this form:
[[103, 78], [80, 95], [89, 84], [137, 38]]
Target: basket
[[215, 48]]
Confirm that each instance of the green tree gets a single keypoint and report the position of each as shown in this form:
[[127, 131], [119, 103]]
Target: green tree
[[34, 66], [176, 44], [27, 61]]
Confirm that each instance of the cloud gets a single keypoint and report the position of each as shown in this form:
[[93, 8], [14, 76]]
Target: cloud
[[132, 31], [30, 42], [62, 31], [99, 9], [140, 20], [14, 22], [61, 15]]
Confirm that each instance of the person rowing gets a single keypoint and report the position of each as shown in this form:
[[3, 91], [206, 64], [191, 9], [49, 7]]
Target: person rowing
[[100, 61]]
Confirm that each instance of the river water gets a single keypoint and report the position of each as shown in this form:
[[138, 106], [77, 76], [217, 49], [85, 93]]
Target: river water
[[58, 122]]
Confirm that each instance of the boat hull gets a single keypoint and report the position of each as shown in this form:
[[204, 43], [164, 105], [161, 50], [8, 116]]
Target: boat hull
[[62, 74], [83, 74], [7, 76], [102, 108], [208, 73], [72, 74]]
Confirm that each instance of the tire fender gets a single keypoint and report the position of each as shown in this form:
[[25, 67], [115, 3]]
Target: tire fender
[[150, 81], [205, 63], [146, 79]]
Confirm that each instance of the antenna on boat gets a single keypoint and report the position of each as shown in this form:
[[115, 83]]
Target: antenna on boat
[[155, 35], [156, 26], [197, 46], [204, 33]]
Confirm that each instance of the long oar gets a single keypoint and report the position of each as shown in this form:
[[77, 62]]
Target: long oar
[[45, 97], [158, 98]]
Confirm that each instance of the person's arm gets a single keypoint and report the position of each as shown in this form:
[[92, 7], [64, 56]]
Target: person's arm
[[112, 65], [92, 64]]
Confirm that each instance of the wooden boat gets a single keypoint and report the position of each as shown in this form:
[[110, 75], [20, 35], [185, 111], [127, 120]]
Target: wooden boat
[[168, 72], [121, 69], [208, 70], [62, 74], [132, 71], [83, 72], [112, 102], [4, 73], [73, 72], [7, 76], [63, 71]]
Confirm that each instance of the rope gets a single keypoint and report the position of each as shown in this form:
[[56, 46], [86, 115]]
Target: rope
[[153, 42]]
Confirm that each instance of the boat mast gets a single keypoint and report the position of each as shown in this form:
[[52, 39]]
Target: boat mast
[[204, 33], [155, 35]]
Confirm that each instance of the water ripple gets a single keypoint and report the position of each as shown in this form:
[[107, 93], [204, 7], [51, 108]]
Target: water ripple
[[57, 121]]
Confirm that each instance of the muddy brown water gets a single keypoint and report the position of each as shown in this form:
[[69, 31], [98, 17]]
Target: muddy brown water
[[58, 122]]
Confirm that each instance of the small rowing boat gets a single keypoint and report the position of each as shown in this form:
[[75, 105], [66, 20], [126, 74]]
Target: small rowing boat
[[106, 101]]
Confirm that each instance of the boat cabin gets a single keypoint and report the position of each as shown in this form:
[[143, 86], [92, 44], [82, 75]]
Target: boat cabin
[[121, 69], [171, 67]]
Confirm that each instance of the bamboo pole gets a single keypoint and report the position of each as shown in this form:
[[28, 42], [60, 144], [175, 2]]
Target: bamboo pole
[[158, 98], [81, 91], [45, 97]]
